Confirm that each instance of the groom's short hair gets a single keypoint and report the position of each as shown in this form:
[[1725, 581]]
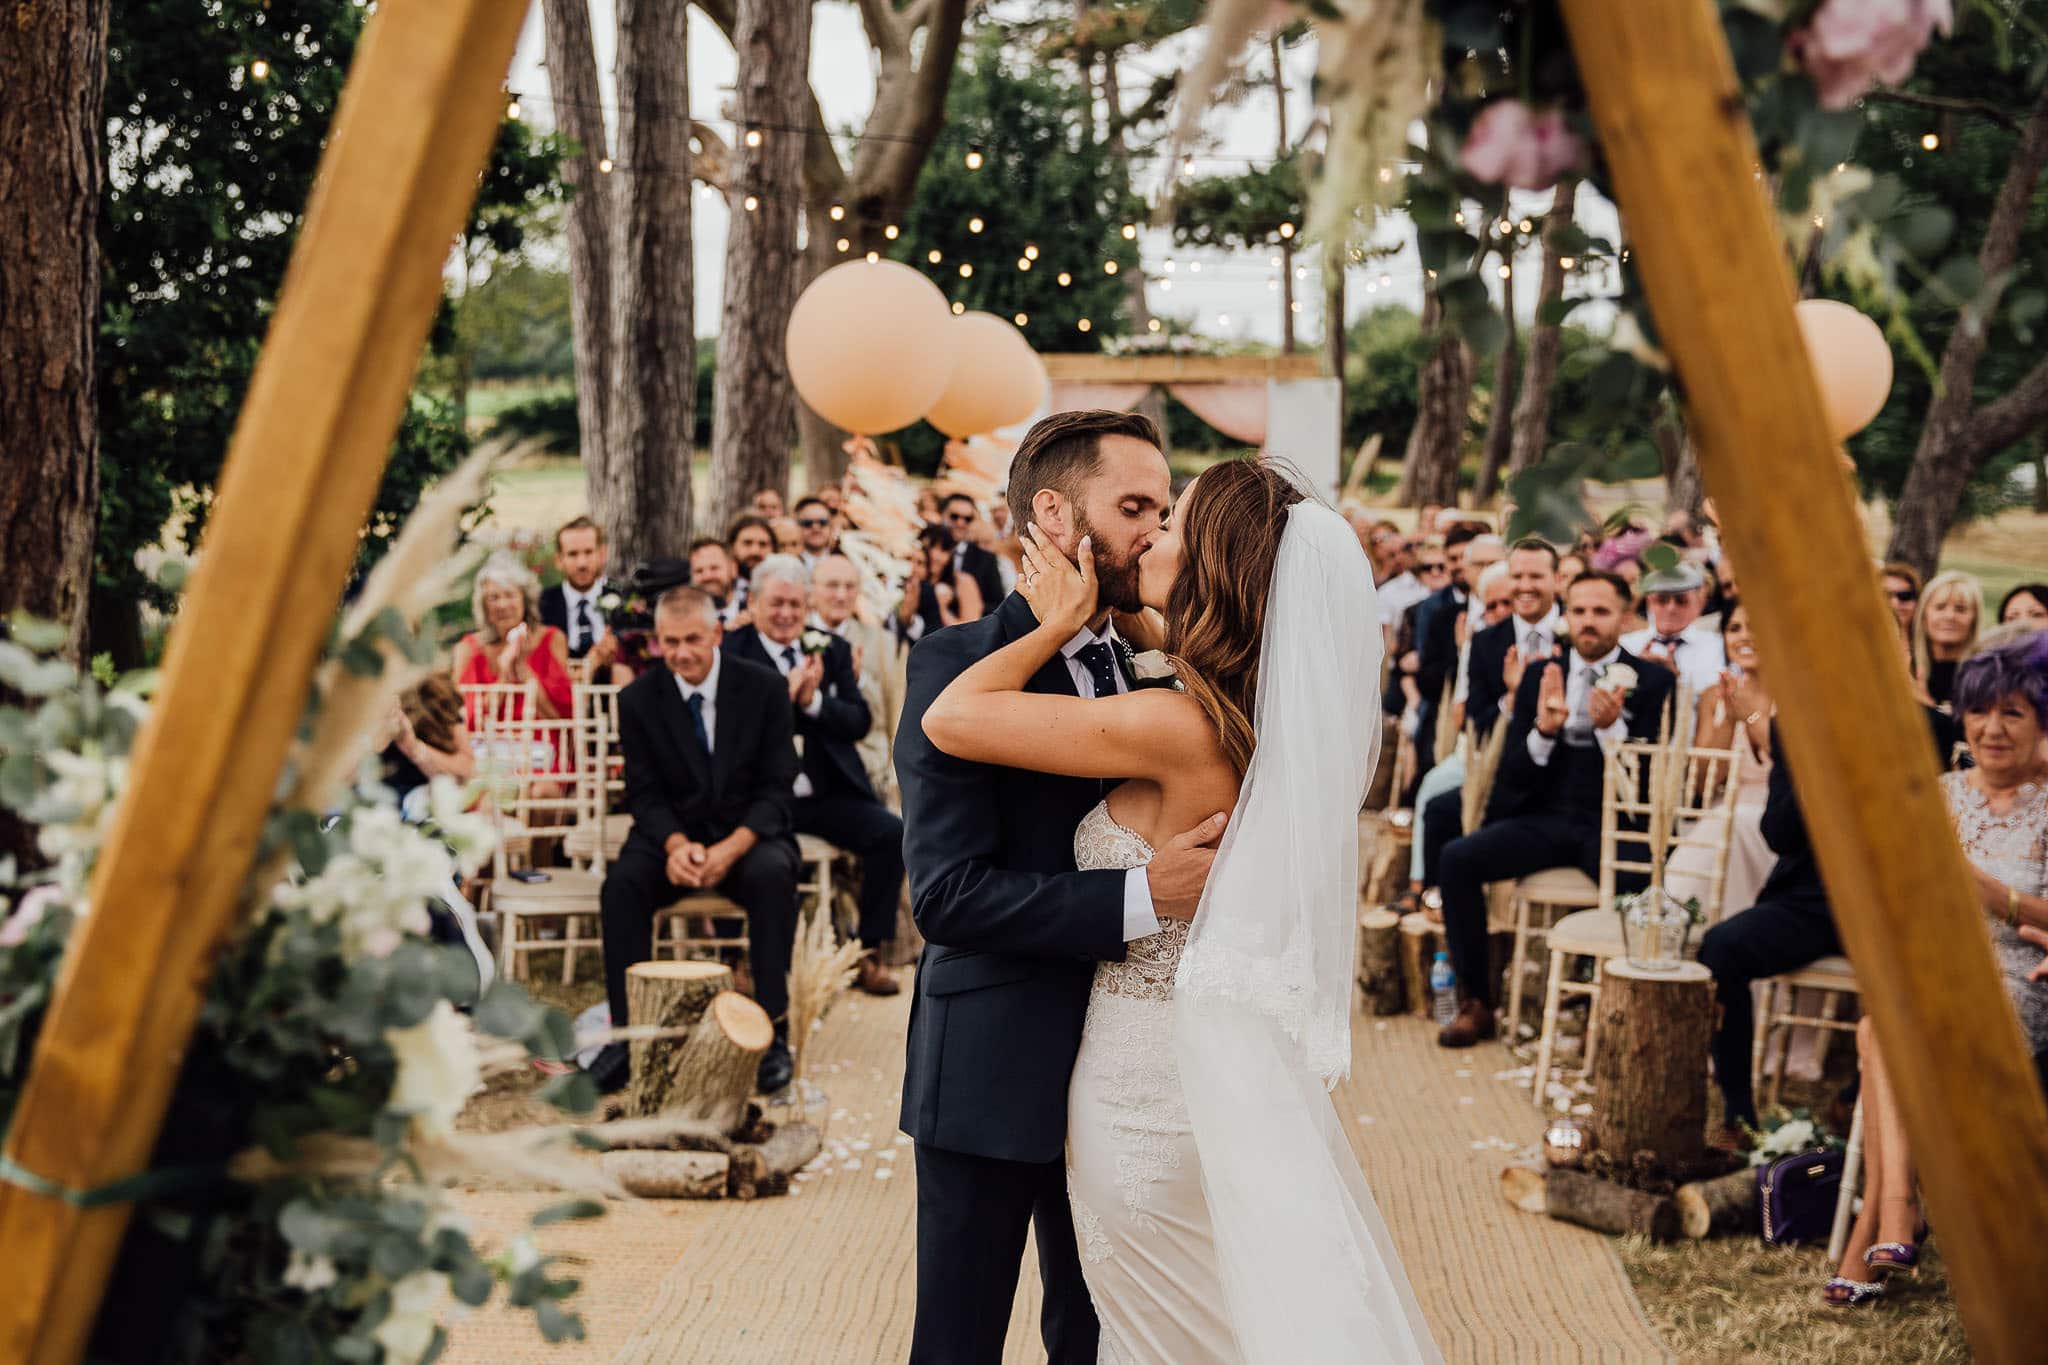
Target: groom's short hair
[[1061, 451]]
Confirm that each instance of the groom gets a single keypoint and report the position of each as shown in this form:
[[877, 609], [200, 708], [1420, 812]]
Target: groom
[[1013, 931]]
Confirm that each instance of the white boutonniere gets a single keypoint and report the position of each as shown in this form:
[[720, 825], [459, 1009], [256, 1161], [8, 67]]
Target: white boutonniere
[[1562, 629], [1151, 665], [609, 602], [1618, 677], [815, 641]]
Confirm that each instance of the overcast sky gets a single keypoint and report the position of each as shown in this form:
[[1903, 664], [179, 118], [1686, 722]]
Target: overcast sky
[[1221, 294]]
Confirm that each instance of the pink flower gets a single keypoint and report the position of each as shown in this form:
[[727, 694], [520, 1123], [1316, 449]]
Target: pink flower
[[1852, 45], [1512, 144], [28, 913]]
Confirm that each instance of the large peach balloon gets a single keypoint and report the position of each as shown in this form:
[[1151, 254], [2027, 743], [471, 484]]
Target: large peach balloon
[[997, 380], [870, 346], [1851, 362]]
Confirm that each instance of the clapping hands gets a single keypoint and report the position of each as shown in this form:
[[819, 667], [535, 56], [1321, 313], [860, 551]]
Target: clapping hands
[[1062, 595]]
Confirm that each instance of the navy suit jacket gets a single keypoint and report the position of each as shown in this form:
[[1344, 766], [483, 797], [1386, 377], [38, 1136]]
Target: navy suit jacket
[[1570, 783], [843, 720], [1012, 931], [673, 788]]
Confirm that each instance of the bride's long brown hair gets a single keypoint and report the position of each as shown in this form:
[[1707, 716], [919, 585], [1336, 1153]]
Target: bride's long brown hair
[[1216, 610]]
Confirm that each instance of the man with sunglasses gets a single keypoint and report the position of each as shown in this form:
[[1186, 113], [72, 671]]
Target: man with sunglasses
[[815, 529], [960, 514]]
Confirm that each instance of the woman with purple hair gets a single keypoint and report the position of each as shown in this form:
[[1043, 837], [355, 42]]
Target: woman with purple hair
[[2000, 810]]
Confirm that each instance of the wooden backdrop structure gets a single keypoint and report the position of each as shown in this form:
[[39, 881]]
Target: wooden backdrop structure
[[423, 102], [411, 136], [1673, 127]]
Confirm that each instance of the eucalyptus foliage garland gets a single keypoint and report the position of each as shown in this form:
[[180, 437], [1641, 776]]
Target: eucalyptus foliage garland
[[334, 1023]]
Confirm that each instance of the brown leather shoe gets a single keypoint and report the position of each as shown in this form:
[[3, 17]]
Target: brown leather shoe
[[872, 977], [1474, 1023]]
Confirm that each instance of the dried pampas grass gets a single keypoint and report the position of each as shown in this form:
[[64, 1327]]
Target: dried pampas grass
[[819, 969]]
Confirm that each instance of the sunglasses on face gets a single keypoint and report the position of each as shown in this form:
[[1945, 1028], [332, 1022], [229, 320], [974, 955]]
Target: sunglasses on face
[[1436, 568], [813, 523], [1904, 595], [960, 518]]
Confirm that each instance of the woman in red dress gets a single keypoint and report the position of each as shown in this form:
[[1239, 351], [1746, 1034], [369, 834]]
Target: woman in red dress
[[509, 644]]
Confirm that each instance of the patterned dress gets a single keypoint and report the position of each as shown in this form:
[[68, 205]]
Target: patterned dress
[[2013, 848], [1133, 1179]]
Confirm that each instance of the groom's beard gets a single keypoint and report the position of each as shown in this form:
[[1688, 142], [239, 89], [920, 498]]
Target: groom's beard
[[1116, 580]]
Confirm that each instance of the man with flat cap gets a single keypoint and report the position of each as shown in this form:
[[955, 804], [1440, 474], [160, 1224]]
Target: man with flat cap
[[1673, 599]]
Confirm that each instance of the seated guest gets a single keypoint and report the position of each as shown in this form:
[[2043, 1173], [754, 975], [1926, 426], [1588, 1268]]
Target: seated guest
[[2026, 605], [789, 537], [1734, 714], [767, 503], [633, 621], [969, 559], [1951, 614], [709, 766], [816, 532], [1569, 567], [833, 798], [572, 605], [714, 572], [1436, 642], [1789, 926], [928, 507], [751, 540], [2000, 812], [1902, 585], [510, 644], [1545, 807], [424, 738], [877, 657], [1522, 628], [936, 594], [1675, 597]]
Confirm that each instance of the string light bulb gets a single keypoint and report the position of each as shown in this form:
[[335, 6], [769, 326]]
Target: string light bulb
[[1301, 272], [1566, 262], [974, 157], [873, 257], [1524, 226], [1287, 231], [750, 203], [1021, 319], [1386, 175], [1109, 267], [974, 225], [1130, 232], [1166, 286], [260, 70], [1030, 251], [1505, 272], [1294, 307], [836, 212], [1065, 279], [1223, 319], [1194, 267], [604, 165], [1931, 141], [753, 137], [934, 256], [1273, 261], [1272, 285], [1459, 217], [843, 245], [1187, 165], [1386, 281], [966, 271], [891, 232], [958, 308], [511, 110], [1085, 325], [1023, 262]]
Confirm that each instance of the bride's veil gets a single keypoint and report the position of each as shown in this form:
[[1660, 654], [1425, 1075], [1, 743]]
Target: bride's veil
[[1263, 995]]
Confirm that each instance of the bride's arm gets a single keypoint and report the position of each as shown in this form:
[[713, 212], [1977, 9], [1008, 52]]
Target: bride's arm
[[985, 716]]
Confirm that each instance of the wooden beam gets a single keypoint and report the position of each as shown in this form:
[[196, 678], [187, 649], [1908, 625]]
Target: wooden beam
[[1085, 368], [423, 102], [1672, 125]]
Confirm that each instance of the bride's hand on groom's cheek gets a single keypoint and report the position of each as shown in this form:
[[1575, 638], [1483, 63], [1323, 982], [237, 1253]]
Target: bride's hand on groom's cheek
[[1062, 594]]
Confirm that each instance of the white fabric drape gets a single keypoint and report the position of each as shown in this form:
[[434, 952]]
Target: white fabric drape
[[1073, 397], [1236, 410], [1263, 991]]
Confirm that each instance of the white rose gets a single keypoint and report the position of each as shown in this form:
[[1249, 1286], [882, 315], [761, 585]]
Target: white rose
[[609, 602], [1618, 676], [407, 1331], [1152, 664], [437, 1069]]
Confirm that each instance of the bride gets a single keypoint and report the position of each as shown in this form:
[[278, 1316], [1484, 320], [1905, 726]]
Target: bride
[[1220, 1211]]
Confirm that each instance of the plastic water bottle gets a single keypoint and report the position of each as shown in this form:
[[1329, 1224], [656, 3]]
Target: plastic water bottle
[[1443, 988]]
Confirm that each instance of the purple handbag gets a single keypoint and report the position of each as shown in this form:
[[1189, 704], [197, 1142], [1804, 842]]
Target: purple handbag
[[1796, 1196]]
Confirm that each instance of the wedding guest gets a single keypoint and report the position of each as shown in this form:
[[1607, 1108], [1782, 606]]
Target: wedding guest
[[2025, 605], [1426, 521], [424, 738], [572, 605], [751, 540], [767, 503], [1424, 569], [1902, 585], [510, 644], [715, 572], [789, 537], [936, 595], [831, 495], [1436, 641], [928, 507], [837, 606], [1951, 615], [962, 516], [1569, 567], [1735, 713], [2000, 812], [814, 524], [1674, 598], [1544, 811], [833, 798], [1483, 552], [709, 770], [999, 516]]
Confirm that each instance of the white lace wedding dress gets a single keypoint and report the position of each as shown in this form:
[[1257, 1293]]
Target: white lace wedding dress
[[1132, 1175]]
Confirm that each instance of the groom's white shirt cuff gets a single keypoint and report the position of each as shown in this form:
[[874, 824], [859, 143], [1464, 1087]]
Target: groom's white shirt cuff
[[1139, 921]]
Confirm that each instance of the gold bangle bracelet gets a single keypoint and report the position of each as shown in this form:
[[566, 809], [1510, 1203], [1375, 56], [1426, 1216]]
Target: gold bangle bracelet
[[2012, 906]]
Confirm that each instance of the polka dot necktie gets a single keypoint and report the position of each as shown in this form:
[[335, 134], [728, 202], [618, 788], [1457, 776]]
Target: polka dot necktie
[[1100, 661]]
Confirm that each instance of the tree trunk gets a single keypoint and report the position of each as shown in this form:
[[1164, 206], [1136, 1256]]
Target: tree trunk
[[1524, 1187], [1957, 437], [1650, 1073], [1286, 243], [1605, 1206], [572, 75], [754, 406], [1379, 961], [764, 1167], [1421, 939], [2040, 482], [713, 1071], [1684, 489], [1531, 433], [670, 1175], [1333, 328], [53, 66], [1500, 427], [1725, 1204], [672, 995], [822, 443], [1429, 470], [643, 496]]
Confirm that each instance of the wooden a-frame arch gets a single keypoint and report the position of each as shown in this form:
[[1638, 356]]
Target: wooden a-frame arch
[[410, 139]]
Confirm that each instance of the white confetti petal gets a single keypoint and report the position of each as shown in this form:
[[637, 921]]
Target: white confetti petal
[[883, 1173]]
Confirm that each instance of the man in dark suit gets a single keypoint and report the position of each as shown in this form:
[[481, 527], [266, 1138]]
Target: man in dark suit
[[709, 766], [1013, 930], [960, 514], [1436, 642], [572, 606], [833, 798], [1545, 807]]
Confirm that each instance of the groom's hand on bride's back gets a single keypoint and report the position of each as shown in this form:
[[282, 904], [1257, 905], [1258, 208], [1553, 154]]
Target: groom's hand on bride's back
[[1178, 872]]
